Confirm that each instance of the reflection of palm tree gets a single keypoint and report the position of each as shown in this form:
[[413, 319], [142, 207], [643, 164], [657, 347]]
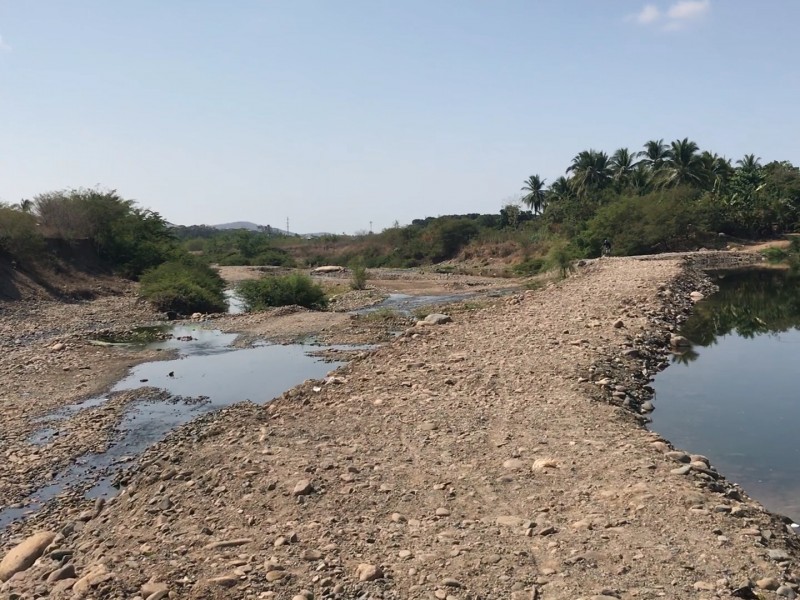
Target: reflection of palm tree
[[686, 357], [750, 303]]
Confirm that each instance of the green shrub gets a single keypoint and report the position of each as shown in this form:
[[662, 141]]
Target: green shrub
[[19, 236], [775, 255], [560, 257], [285, 290], [530, 266], [184, 285], [358, 278]]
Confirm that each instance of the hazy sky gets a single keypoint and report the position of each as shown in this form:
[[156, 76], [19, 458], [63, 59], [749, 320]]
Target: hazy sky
[[335, 113]]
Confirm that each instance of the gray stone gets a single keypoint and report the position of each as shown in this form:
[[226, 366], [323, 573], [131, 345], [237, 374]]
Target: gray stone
[[65, 572], [786, 592], [778, 555]]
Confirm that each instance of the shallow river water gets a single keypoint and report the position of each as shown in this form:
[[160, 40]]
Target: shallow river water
[[735, 396], [208, 374]]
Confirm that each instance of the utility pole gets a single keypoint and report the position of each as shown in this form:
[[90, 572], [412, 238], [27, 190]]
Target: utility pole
[[287, 225], [370, 226]]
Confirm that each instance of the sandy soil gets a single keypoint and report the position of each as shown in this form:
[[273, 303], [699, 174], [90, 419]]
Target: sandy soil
[[501, 455]]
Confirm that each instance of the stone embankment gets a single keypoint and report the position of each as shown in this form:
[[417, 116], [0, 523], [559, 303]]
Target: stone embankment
[[499, 455]]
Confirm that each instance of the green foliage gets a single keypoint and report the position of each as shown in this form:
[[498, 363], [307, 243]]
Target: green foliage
[[561, 256], [236, 246], [185, 285], [286, 290], [127, 238], [19, 234], [658, 222], [358, 277], [775, 255], [530, 266]]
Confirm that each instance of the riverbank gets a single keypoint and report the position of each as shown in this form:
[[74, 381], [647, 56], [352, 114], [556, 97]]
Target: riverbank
[[492, 457]]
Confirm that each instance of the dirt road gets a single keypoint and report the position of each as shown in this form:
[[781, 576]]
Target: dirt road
[[496, 456]]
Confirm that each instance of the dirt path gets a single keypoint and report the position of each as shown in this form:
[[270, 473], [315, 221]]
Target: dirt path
[[484, 458]]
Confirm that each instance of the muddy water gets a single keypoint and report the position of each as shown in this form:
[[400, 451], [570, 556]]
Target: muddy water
[[208, 375], [734, 396]]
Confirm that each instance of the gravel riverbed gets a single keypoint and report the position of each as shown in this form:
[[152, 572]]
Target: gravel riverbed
[[499, 455]]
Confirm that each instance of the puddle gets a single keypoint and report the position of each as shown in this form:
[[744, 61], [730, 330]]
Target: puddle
[[208, 367], [42, 436]]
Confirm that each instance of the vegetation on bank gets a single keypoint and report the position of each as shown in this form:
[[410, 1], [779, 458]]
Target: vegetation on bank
[[123, 238], [666, 197], [285, 290], [184, 285]]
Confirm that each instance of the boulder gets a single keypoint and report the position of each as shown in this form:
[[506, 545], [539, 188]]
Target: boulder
[[24, 554], [437, 319]]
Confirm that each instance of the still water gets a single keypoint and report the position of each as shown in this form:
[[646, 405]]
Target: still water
[[735, 396]]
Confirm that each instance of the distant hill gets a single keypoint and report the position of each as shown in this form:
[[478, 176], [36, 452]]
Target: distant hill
[[238, 225]]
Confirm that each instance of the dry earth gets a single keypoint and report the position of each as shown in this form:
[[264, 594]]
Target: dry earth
[[500, 455]]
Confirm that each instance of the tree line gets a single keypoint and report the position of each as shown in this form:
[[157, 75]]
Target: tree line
[[745, 198]]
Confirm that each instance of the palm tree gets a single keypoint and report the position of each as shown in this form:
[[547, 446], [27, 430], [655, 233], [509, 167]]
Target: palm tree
[[749, 162], [535, 199], [560, 190], [684, 166], [622, 167], [654, 154], [719, 170], [641, 179], [26, 206], [590, 170]]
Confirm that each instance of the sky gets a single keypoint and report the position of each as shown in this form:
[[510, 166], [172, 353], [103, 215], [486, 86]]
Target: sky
[[350, 114]]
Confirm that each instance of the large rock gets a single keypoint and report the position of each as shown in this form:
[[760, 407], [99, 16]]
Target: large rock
[[437, 319], [25, 554]]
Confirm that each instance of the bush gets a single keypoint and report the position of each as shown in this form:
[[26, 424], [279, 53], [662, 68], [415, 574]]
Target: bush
[[530, 266], [286, 290], [19, 236], [184, 285], [560, 257], [358, 279]]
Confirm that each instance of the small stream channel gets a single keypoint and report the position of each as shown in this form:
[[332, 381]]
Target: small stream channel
[[735, 395], [207, 375]]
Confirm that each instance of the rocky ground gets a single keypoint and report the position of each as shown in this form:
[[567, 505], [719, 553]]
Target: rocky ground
[[499, 455]]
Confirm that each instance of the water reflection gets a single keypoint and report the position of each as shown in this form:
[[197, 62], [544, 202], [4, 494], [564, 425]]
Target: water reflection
[[749, 303], [737, 402]]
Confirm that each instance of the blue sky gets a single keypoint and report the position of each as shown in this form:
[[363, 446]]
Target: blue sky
[[336, 114]]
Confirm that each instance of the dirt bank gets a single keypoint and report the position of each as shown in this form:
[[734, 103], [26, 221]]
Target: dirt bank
[[489, 457]]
